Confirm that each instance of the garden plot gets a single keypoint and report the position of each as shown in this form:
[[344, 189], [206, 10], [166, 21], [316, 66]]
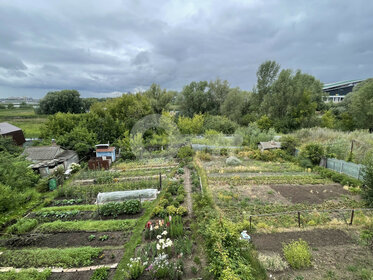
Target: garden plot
[[335, 255]]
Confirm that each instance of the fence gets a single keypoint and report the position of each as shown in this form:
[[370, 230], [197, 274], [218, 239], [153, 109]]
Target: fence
[[297, 214], [348, 168]]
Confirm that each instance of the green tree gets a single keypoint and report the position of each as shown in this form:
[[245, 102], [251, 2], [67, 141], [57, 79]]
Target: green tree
[[10, 106], [361, 107], [159, 99], [191, 125], [264, 123], [79, 139], [235, 104], [266, 75], [368, 179], [328, 120], [65, 101]]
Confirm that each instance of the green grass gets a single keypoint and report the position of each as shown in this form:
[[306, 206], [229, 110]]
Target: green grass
[[22, 226], [27, 274], [94, 226], [26, 119], [84, 207], [71, 257]]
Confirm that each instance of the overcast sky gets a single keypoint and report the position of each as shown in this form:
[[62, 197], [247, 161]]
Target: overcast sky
[[102, 48]]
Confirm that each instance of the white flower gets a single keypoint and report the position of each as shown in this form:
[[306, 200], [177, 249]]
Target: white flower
[[164, 233], [158, 247], [159, 236]]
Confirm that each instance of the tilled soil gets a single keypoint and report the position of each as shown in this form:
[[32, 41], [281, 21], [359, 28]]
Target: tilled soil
[[315, 238], [311, 194], [83, 216], [65, 239]]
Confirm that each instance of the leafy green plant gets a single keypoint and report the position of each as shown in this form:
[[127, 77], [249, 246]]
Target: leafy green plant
[[297, 254], [176, 227], [23, 226], [131, 207], [100, 274], [273, 262], [313, 151], [136, 268], [103, 237], [91, 237]]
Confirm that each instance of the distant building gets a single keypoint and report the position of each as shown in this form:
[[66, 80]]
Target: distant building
[[270, 145], [9, 130], [338, 91], [47, 159]]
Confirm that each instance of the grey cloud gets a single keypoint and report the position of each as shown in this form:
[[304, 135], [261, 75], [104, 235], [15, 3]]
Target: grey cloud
[[122, 46]]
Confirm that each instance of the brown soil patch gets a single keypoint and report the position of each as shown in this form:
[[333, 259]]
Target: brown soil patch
[[315, 238], [109, 257], [65, 239], [312, 194], [263, 192], [335, 260], [86, 215], [81, 275]]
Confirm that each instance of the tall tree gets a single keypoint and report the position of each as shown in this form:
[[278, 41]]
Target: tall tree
[[159, 99], [64, 101], [266, 75], [361, 107]]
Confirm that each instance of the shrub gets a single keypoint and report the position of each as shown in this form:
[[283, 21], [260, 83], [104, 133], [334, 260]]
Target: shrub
[[100, 274], [337, 177], [171, 210], [182, 211], [224, 152], [314, 152], [233, 161], [23, 226], [273, 262], [205, 156], [288, 144], [297, 254], [8, 198], [185, 153]]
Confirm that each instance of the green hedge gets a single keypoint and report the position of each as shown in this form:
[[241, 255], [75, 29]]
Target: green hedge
[[337, 177]]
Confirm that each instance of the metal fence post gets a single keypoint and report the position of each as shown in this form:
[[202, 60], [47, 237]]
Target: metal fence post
[[250, 222], [160, 180], [352, 217], [298, 218]]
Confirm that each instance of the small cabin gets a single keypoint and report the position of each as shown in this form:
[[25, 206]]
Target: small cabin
[[104, 151]]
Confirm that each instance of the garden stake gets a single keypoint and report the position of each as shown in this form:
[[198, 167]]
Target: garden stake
[[352, 217], [250, 222], [160, 180], [298, 218]]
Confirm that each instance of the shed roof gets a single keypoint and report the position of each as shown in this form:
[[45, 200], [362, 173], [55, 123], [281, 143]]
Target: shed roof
[[270, 145], [109, 149], [43, 152], [6, 128]]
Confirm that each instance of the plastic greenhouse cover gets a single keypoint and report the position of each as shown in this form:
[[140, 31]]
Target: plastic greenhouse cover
[[143, 195]]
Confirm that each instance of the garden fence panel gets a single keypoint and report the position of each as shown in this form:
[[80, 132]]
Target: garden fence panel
[[348, 168]]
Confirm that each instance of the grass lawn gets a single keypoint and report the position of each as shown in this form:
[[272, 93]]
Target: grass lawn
[[27, 274], [24, 118]]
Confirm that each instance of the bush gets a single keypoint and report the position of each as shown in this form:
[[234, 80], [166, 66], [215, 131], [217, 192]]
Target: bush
[[273, 262], [23, 226], [337, 177], [314, 152], [288, 144], [224, 152], [8, 199], [185, 153], [233, 161], [297, 254], [205, 156], [100, 274]]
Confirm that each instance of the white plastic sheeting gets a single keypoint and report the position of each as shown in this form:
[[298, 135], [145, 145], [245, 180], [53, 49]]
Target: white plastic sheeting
[[143, 195]]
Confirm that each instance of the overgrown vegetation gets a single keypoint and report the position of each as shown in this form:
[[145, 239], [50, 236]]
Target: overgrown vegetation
[[26, 274], [297, 254]]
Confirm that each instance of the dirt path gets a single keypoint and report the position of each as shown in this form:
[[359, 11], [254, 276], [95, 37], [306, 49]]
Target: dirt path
[[188, 190]]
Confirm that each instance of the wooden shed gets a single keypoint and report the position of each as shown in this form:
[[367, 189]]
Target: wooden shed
[[9, 130]]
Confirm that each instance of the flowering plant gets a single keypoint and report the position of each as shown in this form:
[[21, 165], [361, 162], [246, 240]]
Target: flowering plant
[[136, 268]]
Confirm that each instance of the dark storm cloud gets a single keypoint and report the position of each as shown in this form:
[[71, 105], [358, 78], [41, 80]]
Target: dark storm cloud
[[118, 46]]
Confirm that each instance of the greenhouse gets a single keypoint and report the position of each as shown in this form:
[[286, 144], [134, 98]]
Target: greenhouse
[[142, 195]]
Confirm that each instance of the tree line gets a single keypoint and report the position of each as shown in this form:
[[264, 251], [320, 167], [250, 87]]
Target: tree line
[[282, 101]]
